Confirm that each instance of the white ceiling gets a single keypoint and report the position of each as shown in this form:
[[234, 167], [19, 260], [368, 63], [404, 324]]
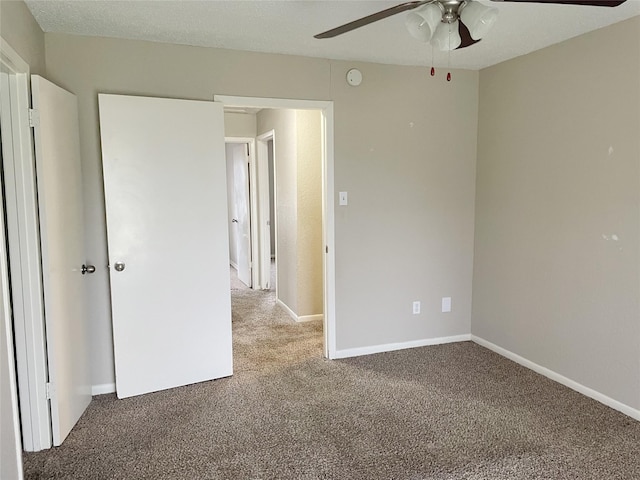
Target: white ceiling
[[288, 26]]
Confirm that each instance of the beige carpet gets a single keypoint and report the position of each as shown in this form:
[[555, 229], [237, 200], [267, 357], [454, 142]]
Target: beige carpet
[[455, 411]]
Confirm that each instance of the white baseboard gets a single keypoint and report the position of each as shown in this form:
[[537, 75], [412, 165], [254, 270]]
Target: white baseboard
[[102, 389], [292, 314], [567, 382], [287, 309], [310, 318], [389, 347]]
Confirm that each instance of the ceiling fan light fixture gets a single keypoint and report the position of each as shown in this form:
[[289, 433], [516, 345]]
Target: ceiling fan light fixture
[[422, 22], [447, 36], [478, 18]]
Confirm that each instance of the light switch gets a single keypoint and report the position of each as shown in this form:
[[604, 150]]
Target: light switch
[[343, 198], [446, 304]]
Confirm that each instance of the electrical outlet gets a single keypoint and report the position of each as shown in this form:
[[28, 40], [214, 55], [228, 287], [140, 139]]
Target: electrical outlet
[[446, 304], [416, 307]]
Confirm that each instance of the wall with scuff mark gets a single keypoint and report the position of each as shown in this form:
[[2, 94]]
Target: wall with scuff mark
[[557, 237]]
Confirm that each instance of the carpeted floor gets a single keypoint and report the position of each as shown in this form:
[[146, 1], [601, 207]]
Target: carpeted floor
[[454, 411]]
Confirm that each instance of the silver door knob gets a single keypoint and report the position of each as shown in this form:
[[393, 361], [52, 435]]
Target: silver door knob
[[88, 269], [119, 266]]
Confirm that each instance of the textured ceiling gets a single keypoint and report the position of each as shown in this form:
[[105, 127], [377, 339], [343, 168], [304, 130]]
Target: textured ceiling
[[288, 27]]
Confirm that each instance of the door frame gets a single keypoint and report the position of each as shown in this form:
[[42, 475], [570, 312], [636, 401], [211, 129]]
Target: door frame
[[328, 215], [264, 190], [24, 258], [253, 207]]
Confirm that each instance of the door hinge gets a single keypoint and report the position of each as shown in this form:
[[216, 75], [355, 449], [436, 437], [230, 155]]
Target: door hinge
[[34, 118], [48, 390], [326, 248]]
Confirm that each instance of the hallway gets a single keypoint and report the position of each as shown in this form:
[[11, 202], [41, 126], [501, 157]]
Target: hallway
[[264, 335]]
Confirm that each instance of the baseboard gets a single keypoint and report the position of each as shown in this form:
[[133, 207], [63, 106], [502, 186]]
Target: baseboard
[[302, 318], [102, 389], [567, 382], [287, 309], [310, 318], [389, 347]]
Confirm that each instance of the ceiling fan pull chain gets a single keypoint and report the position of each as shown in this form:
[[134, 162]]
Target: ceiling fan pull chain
[[449, 57], [433, 70]]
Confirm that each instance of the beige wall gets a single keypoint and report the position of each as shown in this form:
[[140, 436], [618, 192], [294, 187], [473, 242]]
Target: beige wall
[[309, 198], [405, 153], [557, 267], [298, 177], [20, 30], [240, 125], [408, 231], [283, 123]]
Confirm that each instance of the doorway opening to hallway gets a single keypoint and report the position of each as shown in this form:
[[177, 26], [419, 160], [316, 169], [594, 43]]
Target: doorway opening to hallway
[[276, 201]]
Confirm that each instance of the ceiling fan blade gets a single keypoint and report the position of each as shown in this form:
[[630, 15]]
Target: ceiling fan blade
[[589, 3], [361, 22], [465, 36]]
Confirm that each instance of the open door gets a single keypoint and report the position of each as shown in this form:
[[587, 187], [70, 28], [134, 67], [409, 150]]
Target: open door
[[60, 208], [166, 204], [242, 221]]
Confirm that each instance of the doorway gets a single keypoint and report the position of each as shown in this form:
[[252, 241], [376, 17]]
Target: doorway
[[240, 201], [326, 232]]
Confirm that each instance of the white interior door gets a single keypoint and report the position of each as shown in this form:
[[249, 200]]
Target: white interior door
[[165, 193], [60, 207], [231, 204], [240, 159]]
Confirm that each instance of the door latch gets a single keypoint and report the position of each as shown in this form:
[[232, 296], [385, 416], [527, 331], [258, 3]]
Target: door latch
[[88, 269]]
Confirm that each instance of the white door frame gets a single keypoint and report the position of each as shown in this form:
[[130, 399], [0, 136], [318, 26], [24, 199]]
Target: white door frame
[[24, 259], [253, 207], [264, 213], [328, 224]]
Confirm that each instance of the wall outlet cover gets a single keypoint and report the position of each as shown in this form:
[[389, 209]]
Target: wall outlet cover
[[416, 307]]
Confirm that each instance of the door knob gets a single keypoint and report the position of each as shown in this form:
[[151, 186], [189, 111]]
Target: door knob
[[88, 269], [235, 220], [119, 266]]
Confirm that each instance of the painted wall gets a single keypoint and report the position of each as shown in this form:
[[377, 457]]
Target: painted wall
[[557, 264], [298, 157], [283, 122], [22, 32], [309, 225], [405, 153], [408, 231], [240, 124]]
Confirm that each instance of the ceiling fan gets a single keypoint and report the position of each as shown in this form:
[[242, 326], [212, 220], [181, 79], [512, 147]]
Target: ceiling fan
[[450, 24]]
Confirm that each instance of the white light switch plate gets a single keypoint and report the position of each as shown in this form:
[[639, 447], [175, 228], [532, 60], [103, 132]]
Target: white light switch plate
[[344, 200], [446, 304]]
